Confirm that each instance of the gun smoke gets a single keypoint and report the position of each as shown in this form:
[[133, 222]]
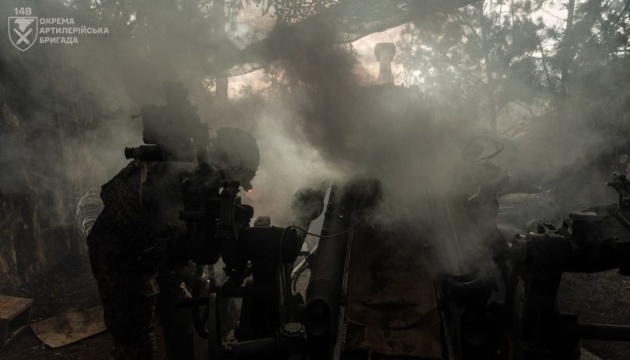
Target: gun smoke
[[326, 123]]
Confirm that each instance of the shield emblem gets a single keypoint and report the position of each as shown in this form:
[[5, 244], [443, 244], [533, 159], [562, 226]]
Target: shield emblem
[[22, 31]]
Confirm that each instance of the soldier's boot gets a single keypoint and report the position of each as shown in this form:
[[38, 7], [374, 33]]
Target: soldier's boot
[[142, 349], [179, 346]]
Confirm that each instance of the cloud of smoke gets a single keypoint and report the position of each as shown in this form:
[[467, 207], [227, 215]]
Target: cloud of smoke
[[427, 165], [326, 124], [384, 132]]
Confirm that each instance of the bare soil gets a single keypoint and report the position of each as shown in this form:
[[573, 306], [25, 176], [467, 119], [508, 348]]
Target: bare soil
[[54, 294], [598, 298]]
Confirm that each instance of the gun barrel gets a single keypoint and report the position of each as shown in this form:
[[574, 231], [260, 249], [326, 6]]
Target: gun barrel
[[324, 288]]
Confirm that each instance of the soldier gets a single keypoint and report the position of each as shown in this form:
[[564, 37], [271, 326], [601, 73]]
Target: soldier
[[141, 205], [138, 245]]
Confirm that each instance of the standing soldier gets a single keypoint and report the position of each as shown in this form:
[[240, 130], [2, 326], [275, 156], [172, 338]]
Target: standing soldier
[[133, 242], [138, 245]]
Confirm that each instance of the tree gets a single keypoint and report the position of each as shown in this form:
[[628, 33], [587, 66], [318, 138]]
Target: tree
[[484, 59]]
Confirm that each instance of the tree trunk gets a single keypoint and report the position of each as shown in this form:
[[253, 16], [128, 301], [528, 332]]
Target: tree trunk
[[492, 109], [567, 48], [221, 86]]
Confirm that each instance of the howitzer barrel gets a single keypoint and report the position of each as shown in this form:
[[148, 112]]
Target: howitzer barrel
[[324, 288]]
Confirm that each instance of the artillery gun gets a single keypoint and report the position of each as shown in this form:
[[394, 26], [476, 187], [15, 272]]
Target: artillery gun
[[380, 293], [373, 292]]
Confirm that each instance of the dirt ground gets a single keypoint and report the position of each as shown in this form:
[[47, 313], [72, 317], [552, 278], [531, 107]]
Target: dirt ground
[[596, 298], [55, 294]]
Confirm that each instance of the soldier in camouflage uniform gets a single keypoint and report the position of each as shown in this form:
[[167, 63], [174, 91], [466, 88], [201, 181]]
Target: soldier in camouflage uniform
[[141, 205], [138, 241]]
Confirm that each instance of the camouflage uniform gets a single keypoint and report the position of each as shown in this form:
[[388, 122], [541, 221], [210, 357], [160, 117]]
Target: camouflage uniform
[[141, 205]]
